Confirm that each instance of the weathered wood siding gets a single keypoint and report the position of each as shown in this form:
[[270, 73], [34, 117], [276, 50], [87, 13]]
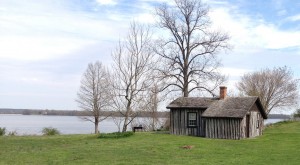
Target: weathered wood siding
[[256, 119], [217, 127], [179, 126], [223, 128]]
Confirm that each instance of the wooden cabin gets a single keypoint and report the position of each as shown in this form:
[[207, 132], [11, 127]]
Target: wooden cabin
[[222, 117]]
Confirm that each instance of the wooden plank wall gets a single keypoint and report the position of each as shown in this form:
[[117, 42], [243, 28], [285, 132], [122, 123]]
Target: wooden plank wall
[[243, 128], [223, 128], [254, 116], [253, 130], [178, 125]]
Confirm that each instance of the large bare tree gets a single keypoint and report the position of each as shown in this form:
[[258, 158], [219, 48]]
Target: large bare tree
[[94, 95], [133, 63], [191, 47], [275, 87]]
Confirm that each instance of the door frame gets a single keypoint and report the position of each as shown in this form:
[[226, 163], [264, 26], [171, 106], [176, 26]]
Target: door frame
[[247, 126]]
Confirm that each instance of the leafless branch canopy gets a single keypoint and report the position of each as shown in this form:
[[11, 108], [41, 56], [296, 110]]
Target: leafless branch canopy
[[133, 63], [94, 94], [190, 52], [275, 88]]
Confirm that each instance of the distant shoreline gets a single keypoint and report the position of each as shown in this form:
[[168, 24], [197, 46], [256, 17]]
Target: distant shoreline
[[106, 113], [73, 112]]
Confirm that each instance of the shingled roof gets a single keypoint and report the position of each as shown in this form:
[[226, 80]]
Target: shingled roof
[[233, 107], [192, 102]]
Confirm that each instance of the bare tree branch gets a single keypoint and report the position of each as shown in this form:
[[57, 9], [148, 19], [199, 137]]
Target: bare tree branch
[[190, 51], [275, 88]]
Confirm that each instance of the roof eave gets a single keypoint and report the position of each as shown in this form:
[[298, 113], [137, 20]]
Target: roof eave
[[223, 117], [262, 110], [187, 107]]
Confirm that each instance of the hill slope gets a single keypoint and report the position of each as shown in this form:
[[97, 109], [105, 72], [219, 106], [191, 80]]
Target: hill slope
[[280, 144]]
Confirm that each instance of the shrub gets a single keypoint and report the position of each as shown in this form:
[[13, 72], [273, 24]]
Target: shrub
[[12, 133], [115, 135], [48, 131], [2, 131], [297, 113]]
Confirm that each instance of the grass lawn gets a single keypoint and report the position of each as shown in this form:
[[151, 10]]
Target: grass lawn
[[280, 144]]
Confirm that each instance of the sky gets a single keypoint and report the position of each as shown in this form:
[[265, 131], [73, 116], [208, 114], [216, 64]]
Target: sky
[[45, 46]]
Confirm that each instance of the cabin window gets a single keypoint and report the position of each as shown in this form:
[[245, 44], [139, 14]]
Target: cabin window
[[192, 119]]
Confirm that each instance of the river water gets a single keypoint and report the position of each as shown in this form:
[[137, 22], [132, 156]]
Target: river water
[[33, 124]]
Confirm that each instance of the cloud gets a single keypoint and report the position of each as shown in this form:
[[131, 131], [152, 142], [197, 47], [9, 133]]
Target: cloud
[[256, 43], [46, 45], [30, 34], [273, 38], [33, 48], [250, 32], [282, 12], [34, 85], [234, 72], [106, 2], [216, 2], [146, 18], [294, 18]]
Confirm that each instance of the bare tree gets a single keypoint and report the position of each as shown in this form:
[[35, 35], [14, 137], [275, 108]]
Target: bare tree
[[117, 119], [94, 94], [153, 108], [133, 62], [275, 88], [190, 50], [154, 97]]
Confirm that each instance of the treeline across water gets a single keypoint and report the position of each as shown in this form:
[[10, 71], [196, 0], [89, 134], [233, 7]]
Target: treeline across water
[[77, 113], [105, 113]]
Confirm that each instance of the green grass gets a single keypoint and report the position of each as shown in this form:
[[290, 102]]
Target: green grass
[[280, 144], [115, 135]]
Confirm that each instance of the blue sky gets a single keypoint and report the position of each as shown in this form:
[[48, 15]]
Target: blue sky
[[46, 45]]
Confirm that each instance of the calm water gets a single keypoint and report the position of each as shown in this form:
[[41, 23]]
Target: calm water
[[33, 124], [270, 121]]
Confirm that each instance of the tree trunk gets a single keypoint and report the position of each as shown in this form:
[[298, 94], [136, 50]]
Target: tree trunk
[[153, 124], [185, 89], [185, 92], [126, 116], [96, 126], [125, 125], [154, 109]]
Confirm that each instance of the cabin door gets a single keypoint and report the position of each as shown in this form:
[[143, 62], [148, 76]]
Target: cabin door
[[247, 126]]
